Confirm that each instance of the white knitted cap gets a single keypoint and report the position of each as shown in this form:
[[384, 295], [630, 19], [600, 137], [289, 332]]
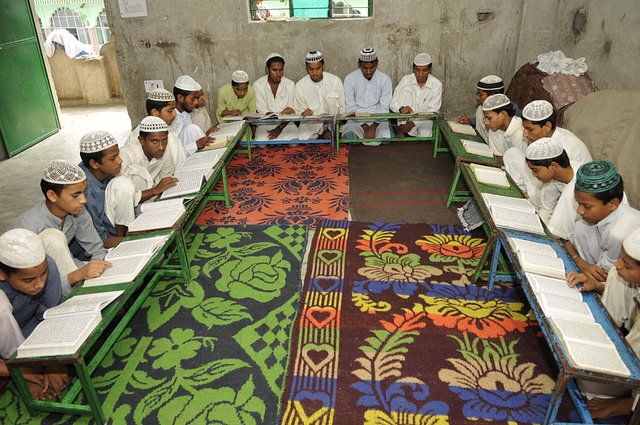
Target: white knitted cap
[[494, 102], [161, 95], [368, 54], [422, 59], [631, 244], [544, 148], [240, 76], [185, 82], [150, 124], [63, 172], [97, 141], [313, 56], [21, 249], [537, 110]]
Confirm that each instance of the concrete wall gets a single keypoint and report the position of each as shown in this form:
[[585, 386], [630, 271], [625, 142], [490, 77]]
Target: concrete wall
[[209, 39]]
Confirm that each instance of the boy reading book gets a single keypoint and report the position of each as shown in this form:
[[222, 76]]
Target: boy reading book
[[606, 215], [618, 296], [506, 128], [30, 284], [236, 98], [187, 93], [550, 164], [65, 226], [200, 116]]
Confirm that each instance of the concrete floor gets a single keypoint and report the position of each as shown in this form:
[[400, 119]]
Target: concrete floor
[[20, 183]]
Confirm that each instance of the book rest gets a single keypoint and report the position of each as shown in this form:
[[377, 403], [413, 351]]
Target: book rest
[[83, 366], [328, 119], [435, 135], [567, 373]]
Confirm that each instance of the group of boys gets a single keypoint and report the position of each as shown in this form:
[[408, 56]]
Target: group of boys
[[581, 201]]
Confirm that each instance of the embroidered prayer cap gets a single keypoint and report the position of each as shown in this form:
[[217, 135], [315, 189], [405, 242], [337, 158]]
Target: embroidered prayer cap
[[597, 176], [494, 102], [368, 54], [151, 124], [240, 76], [631, 244], [21, 249], [544, 148], [161, 95], [185, 82], [63, 172], [491, 83], [313, 56], [274, 55], [537, 110], [97, 141], [422, 59]]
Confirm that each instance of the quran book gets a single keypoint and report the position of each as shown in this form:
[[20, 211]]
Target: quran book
[[565, 308], [490, 175], [549, 285], [513, 213], [127, 259], [536, 247], [189, 182], [285, 116], [158, 215], [457, 127], [349, 114], [66, 326], [203, 159], [363, 114], [476, 148], [541, 264], [226, 134], [589, 347]]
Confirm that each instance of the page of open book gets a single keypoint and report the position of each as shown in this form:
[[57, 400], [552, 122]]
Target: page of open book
[[582, 331], [461, 128], [156, 219], [82, 304], [542, 264], [189, 181], [554, 286], [477, 148], [162, 205], [536, 247], [203, 159], [519, 204], [144, 246], [515, 219], [58, 331], [557, 306], [605, 360], [490, 177]]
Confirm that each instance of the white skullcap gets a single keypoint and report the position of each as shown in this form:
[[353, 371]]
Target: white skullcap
[[240, 76], [274, 55], [543, 148], [537, 110], [422, 59], [161, 95], [63, 172], [96, 141], [631, 244], [21, 249], [491, 82], [185, 82], [150, 124], [494, 102], [313, 56], [368, 54]]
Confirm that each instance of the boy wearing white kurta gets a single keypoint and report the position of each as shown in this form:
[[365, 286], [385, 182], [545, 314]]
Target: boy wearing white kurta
[[317, 93], [187, 94], [506, 128], [417, 92]]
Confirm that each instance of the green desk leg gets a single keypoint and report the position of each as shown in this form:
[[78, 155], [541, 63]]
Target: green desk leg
[[436, 141], [23, 390], [184, 259], [248, 137], [225, 186], [337, 139], [485, 256], [454, 194], [90, 392]]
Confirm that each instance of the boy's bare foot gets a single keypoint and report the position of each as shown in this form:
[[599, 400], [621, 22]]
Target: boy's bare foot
[[608, 408]]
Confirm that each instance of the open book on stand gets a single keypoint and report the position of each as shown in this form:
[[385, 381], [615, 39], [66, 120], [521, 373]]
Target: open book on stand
[[66, 326], [513, 213], [158, 215], [490, 175], [538, 258], [197, 168], [459, 128], [558, 299], [476, 148], [128, 259], [228, 132]]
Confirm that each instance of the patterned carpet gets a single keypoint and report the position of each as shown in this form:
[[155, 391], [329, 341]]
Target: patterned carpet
[[393, 333], [284, 185], [213, 352]]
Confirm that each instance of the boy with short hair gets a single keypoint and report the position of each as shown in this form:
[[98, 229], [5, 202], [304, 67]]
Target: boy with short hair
[[162, 104], [506, 127], [65, 226], [236, 98], [187, 94], [200, 116], [549, 163], [419, 91], [111, 199], [145, 162], [606, 219], [618, 297], [29, 285]]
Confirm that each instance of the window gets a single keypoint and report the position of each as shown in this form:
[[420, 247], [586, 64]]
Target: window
[[310, 9], [102, 28], [72, 22]]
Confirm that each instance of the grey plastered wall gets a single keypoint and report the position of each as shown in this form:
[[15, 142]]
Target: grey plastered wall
[[209, 39]]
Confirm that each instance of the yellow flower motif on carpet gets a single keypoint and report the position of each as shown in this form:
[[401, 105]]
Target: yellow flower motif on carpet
[[377, 417], [449, 248]]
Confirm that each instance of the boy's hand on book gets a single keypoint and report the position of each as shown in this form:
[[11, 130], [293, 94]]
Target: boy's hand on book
[[464, 120], [94, 268], [307, 112], [203, 141], [165, 184], [592, 270], [213, 129], [406, 110], [288, 111], [588, 283]]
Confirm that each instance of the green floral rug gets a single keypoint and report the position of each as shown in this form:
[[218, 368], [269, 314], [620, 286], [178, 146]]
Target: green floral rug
[[213, 352]]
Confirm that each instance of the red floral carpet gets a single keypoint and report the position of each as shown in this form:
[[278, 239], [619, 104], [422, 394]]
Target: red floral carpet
[[284, 185], [392, 332]]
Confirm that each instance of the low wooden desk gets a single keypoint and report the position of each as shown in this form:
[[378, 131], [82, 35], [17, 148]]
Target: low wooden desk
[[567, 372], [324, 119], [435, 135], [461, 155], [84, 367]]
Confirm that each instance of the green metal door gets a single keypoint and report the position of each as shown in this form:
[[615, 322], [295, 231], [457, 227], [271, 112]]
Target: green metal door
[[27, 109]]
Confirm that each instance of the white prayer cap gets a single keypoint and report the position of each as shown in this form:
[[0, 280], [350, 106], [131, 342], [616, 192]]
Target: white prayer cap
[[368, 54], [422, 59], [313, 56], [161, 95], [494, 102], [491, 82], [97, 141], [537, 110], [185, 82], [274, 55], [543, 148], [21, 249], [631, 244], [240, 76], [63, 172], [150, 124]]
